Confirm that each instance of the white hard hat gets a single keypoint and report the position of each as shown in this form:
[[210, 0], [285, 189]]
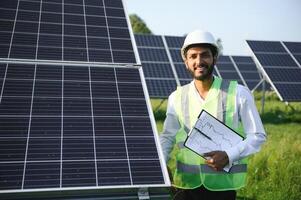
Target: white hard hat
[[198, 37]]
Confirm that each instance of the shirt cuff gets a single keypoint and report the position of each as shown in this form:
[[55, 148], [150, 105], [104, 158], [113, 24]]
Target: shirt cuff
[[233, 155]]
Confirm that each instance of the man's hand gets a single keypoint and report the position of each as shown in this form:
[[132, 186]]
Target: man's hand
[[218, 159]]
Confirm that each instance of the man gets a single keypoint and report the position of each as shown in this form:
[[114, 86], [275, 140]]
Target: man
[[192, 176]]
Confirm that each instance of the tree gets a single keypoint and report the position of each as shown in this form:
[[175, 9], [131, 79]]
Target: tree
[[139, 25]]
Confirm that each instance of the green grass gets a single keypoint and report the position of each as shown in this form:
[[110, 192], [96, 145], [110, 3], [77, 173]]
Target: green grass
[[275, 172]]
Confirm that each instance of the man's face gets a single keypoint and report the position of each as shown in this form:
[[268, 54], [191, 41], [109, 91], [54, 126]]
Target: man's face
[[200, 62]]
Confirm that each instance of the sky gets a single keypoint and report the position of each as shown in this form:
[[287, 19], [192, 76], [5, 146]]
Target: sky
[[233, 21]]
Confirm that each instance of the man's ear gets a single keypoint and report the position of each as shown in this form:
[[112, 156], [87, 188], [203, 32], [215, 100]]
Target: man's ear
[[186, 65], [214, 60]]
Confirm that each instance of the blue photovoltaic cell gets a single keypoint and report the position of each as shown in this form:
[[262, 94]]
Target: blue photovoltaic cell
[[242, 59], [280, 67], [246, 67], [176, 55], [149, 40], [74, 126], [226, 69], [294, 47], [248, 70], [160, 70], [298, 58], [289, 91], [161, 88], [182, 71], [280, 60], [184, 82], [174, 44], [223, 59], [228, 75], [266, 46], [284, 75], [174, 41], [154, 55], [156, 65], [250, 76], [87, 31]]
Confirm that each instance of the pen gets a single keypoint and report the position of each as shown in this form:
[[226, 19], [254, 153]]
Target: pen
[[209, 138]]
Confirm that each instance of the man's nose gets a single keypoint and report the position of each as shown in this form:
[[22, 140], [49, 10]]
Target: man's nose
[[199, 60]]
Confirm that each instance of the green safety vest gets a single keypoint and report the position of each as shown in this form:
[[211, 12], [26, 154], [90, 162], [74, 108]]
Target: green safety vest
[[189, 170]]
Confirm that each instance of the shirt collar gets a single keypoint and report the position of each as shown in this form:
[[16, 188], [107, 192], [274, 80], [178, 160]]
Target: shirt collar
[[195, 91]]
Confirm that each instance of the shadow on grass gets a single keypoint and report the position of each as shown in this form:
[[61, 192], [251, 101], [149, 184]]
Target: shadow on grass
[[278, 116], [160, 115]]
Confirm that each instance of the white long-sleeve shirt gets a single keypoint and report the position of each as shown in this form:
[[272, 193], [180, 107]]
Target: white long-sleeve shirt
[[245, 111]]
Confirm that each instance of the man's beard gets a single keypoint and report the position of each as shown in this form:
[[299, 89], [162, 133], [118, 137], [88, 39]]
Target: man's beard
[[206, 75]]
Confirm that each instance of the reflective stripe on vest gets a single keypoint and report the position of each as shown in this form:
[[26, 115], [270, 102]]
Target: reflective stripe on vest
[[185, 107], [223, 100], [196, 169]]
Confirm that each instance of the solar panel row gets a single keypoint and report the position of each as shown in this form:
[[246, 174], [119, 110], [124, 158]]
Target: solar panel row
[[162, 72]]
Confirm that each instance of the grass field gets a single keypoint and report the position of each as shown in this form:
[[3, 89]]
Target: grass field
[[275, 172]]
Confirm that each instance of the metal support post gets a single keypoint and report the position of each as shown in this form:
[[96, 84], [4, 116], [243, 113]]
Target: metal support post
[[143, 194], [263, 97]]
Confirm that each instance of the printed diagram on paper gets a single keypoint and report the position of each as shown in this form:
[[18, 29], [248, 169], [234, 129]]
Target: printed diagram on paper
[[209, 134]]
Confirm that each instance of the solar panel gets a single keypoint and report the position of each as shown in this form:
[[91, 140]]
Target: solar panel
[[174, 44], [160, 88], [267, 46], [64, 127], [279, 62], [226, 68], [160, 78], [248, 70], [85, 30], [295, 49], [74, 113]]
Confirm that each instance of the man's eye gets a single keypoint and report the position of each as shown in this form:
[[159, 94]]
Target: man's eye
[[192, 56]]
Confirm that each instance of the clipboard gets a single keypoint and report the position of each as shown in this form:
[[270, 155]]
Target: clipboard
[[210, 134]]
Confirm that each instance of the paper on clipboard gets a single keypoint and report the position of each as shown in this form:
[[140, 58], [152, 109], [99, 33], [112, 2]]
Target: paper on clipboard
[[210, 134]]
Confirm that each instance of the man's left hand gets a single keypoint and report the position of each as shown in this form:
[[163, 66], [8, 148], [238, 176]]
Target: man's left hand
[[218, 159]]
